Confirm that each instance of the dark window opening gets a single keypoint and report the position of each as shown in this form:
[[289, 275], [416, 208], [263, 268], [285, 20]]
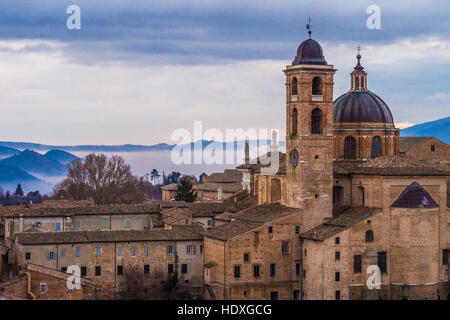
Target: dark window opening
[[285, 247], [146, 269], [274, 295], [369, 236], [337, 255], [98, 271], [317, 86], [337, 276], [256, 271], [273, 270], [294, 86], [297, 229], [297, 269], [445, 256], [338, 295], [170, 268], [294, 121], [119, 270], [382, 261], [83, 271], [246, 257], [270, 229], [316, 121], [27, 256], [377, 149], [357, 264], [350, 148], [64, 269], [362, 195], [433, 148], [184, 268], [237, 271], [337, 240]]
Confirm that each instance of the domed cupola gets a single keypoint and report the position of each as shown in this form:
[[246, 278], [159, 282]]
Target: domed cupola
[[360, 105], [363, 124], [309, 52]]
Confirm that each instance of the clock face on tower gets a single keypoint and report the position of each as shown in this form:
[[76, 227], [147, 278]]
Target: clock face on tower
[[293, 157]]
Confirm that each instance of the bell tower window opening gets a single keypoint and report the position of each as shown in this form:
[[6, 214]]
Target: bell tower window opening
[[294, 87], [294, 120], [317, 86], [316, 121]]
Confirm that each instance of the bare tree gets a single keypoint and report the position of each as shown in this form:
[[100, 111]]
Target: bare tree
[[104, 180]]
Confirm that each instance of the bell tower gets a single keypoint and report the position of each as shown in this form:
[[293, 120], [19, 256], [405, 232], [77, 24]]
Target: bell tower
[[309, 131]]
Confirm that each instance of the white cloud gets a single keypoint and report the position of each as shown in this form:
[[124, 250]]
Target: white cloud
[[439, 96], [403, 125]]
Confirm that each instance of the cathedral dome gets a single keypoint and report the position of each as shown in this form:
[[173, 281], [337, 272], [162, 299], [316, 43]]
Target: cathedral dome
[[309, 52], [358, 106]]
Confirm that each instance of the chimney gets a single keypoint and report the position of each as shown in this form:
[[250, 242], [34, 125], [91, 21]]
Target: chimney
[[20, 222]]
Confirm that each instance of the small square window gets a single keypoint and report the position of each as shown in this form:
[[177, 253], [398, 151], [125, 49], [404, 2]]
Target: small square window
[[297, 229], [285, 247], [78, 224], [184, 268], [64, 269], [119, 270], [338, 295], [270, 229], [316, 157], [58, 227], [43, 287], [433, 148], [83, 271], [316, 196], [127, 223], [337, 240], [27, 256], [105, 224], [98, 271], [146, 269], [246, 257]]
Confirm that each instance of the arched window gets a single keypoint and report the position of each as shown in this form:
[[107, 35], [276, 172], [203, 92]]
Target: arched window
[[349, 148], [294, 117], [275, 191], [294, 86], [317, 86], [316, 121], [376, 147], [369, 236]]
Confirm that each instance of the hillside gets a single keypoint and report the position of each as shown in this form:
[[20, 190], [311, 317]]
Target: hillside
[[7, 152], [12, 174], [438, 128], [35, 163], [61, 156]]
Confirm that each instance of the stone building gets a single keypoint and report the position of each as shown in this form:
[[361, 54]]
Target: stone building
[[424, 148], [113, 260], [254, 256]]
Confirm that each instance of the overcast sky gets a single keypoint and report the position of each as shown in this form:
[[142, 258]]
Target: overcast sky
[[138, 70]]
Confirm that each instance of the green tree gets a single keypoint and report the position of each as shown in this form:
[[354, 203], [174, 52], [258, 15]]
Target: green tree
[[154, 175], [185, 191], [19, 191]]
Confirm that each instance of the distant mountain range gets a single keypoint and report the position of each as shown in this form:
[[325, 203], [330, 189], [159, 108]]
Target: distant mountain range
[[21, 163], [439, 129]]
